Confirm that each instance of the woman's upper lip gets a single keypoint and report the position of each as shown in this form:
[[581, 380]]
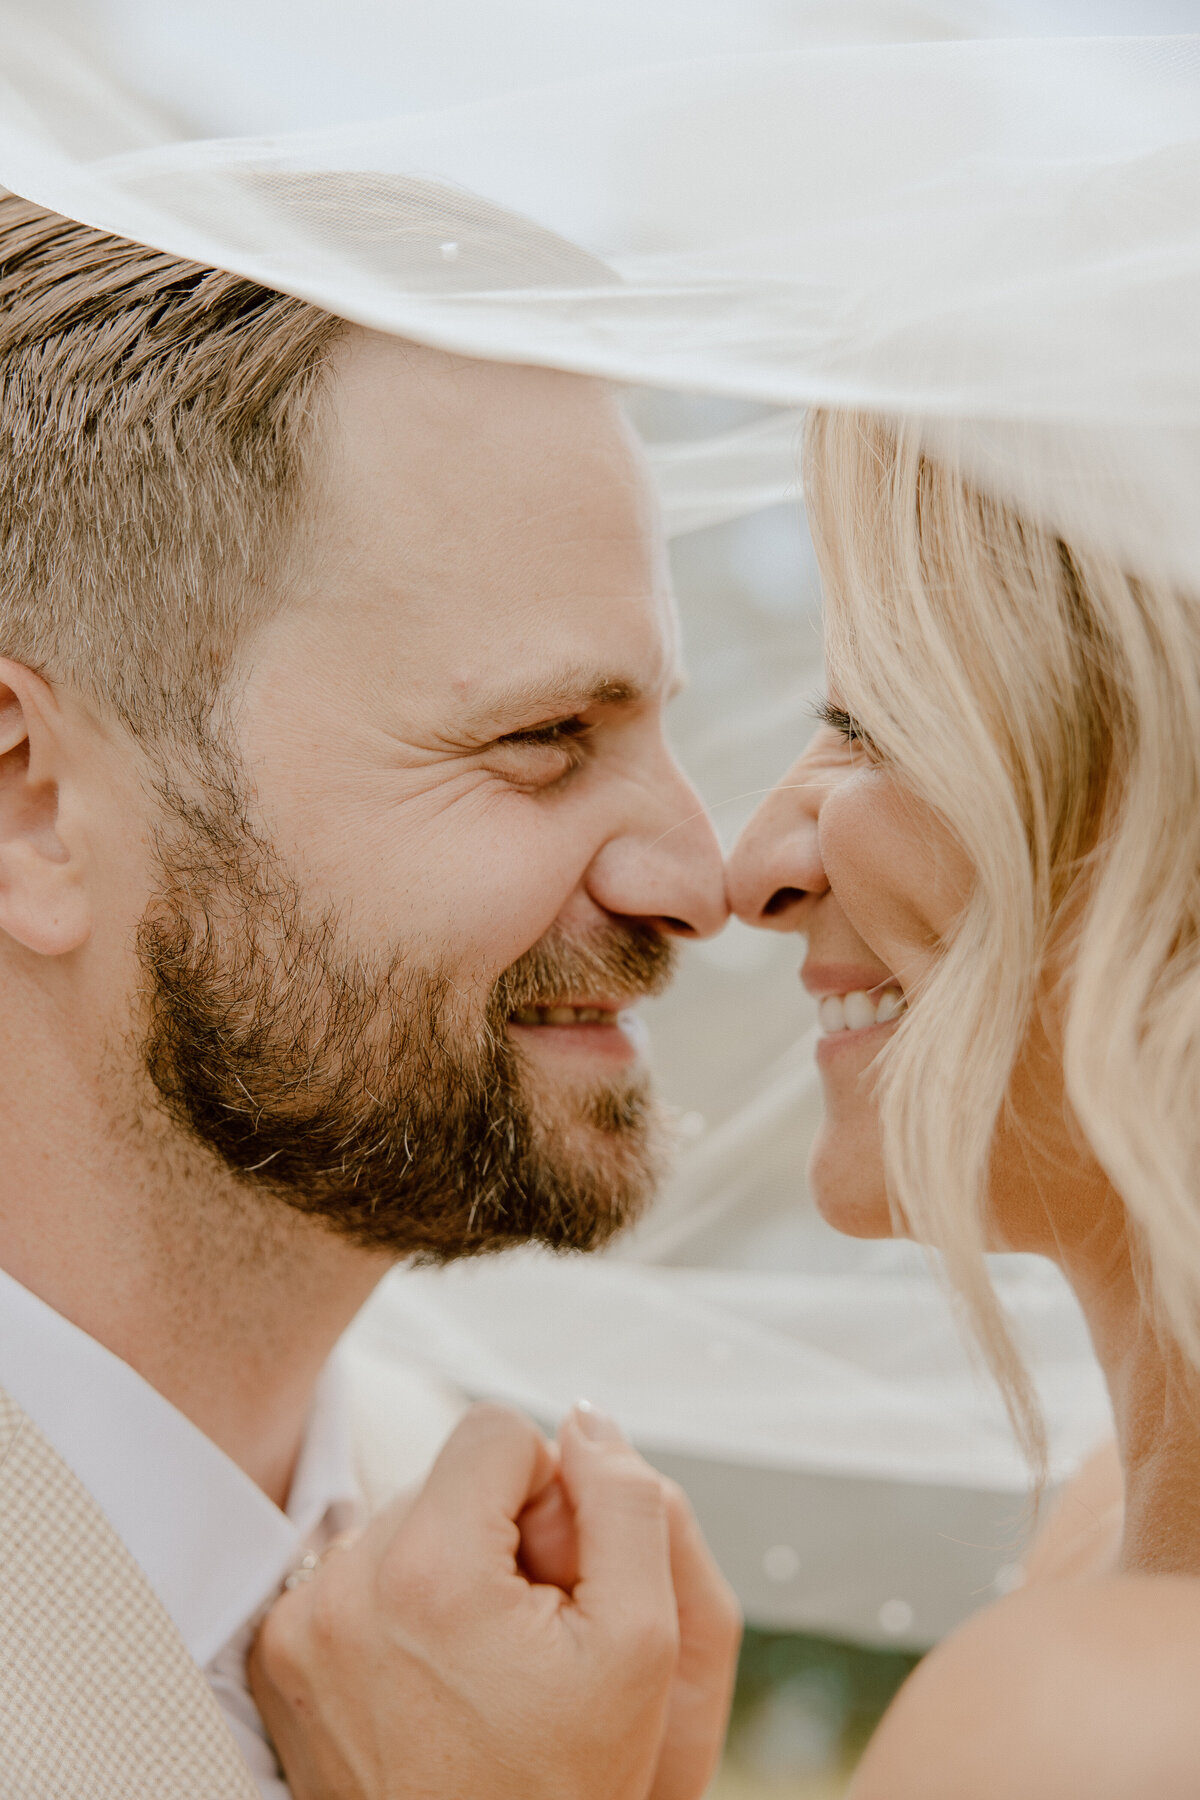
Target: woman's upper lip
[[845, 978]]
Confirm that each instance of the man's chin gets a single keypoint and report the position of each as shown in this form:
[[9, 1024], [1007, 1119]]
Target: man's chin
[[606, 1140], [588, 1096]]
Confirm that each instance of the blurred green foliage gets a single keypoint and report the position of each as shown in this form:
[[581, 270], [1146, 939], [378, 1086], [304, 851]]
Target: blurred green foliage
[[804, 1708]]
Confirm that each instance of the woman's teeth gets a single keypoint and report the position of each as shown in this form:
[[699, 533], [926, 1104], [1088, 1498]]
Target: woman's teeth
[[562, 1015], [854, 1012]]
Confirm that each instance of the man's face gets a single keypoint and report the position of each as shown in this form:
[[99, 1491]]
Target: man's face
[[409, 893]]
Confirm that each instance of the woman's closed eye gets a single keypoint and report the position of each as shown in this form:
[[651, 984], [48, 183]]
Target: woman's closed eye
[[845, 724]]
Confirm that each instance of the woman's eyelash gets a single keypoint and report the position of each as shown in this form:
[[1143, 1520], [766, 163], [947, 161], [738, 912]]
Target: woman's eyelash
[[841, 721]]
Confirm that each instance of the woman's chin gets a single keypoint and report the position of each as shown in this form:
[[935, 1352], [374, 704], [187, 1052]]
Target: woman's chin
[[848, 1189]]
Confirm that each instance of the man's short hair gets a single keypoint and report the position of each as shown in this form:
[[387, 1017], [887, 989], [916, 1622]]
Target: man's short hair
[[156, 420]]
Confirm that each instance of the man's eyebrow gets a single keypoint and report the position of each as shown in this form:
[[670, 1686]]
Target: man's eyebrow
[[555, 696]]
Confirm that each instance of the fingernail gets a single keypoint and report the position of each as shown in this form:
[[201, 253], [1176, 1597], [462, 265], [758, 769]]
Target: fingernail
[[596, 1425]]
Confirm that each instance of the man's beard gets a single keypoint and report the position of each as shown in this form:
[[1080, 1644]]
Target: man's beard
[[350, 1090]]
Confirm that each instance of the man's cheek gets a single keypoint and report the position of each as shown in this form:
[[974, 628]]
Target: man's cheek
[[473, 931], [467, 901]]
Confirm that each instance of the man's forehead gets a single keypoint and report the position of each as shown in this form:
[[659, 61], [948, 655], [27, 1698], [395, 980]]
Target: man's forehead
[[489, 554], [485, 473], [400, 399]]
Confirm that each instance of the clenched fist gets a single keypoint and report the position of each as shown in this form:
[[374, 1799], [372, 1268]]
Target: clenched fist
[[530, 1627]]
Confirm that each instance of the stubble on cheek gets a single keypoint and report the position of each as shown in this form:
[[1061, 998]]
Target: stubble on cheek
[[362, 1096]]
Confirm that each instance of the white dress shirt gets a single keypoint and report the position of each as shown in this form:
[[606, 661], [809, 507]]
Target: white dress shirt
[[212, 1545]]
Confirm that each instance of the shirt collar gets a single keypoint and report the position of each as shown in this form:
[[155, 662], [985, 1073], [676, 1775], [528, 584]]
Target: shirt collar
[[212, 1545]]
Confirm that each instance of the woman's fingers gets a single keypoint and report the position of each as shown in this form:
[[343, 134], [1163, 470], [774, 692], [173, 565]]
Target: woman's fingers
[[710, 1633], [705, 1609], [708, 1607], [490, 1468], [621, 1525], [420, 1662], [549, 1545]]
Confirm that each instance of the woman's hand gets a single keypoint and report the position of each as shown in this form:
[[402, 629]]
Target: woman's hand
[[426, 1660], [710, 1623]]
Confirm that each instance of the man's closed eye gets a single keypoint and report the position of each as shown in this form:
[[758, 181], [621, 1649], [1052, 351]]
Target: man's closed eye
[[541, 755]]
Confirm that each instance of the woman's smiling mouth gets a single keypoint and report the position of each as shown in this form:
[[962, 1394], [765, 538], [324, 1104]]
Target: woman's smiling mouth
[[860, 1009], [852, 1000]]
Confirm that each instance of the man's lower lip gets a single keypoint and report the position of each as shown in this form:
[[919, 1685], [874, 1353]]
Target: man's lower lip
[[615, 1037]]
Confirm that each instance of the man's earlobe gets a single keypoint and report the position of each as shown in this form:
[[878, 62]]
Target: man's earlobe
[[43, 903]]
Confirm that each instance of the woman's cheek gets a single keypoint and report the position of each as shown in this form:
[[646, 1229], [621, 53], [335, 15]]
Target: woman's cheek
[[896, 872]]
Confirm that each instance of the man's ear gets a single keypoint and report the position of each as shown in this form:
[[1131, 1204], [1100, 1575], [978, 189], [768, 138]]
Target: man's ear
[[44, 904]]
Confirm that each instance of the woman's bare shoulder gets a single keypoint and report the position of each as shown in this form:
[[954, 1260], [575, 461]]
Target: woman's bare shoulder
[[1071, 1690]]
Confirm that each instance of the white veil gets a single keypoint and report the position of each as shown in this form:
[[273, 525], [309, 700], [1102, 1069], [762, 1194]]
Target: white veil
[[909, 207], [997, 235]]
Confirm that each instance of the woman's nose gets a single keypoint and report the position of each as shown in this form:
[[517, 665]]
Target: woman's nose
[[776, 863]]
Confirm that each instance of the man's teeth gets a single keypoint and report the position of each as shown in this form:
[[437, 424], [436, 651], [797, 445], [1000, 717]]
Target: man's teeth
[[562, 1015], [854, 1012]]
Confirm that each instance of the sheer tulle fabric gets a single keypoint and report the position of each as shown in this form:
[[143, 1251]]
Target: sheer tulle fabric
[[997, 236]]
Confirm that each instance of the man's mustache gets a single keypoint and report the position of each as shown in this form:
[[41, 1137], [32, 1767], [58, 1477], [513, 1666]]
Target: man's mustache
[[623, 962]]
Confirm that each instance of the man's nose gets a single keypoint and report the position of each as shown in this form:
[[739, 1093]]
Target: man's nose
[[776, 863], [665, 867]]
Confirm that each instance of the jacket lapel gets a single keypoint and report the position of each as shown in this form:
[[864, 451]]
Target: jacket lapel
[[99, 1699]]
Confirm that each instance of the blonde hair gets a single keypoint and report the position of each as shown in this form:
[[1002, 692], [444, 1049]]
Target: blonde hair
[[1046, 704], [155, 423]]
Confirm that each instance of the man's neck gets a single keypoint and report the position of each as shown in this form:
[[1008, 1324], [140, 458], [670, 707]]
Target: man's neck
[[223, 1299]]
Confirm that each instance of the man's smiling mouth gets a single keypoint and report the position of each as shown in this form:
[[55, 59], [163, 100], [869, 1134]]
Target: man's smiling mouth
[[606, 1028], [560, 1013]]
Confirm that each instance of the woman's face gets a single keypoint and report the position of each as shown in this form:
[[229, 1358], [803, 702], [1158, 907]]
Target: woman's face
[[841, 853]]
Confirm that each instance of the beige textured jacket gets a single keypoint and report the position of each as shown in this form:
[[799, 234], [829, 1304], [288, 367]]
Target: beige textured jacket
[[99, 1699]]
